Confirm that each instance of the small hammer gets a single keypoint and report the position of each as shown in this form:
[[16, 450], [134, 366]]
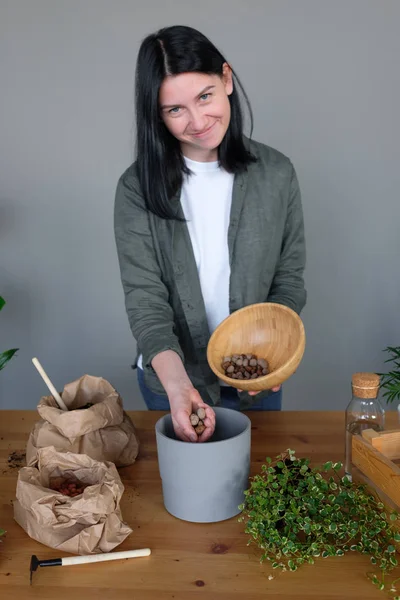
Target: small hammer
[[79, 560]]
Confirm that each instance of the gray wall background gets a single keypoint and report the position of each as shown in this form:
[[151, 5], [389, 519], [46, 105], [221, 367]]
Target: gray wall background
[[323, 78]]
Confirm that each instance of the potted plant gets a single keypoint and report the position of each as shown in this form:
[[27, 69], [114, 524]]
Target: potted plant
[[295, 514], [391, 381], [5, 357]]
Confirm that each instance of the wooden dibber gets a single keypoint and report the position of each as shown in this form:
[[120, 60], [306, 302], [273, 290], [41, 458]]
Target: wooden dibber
[[51, 387]]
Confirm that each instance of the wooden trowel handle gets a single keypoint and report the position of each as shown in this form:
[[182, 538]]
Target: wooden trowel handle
[[79, 560]]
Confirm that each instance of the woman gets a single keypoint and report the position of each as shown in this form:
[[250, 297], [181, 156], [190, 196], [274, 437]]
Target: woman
[[206, 222]]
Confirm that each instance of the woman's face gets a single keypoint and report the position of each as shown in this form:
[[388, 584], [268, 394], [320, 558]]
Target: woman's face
[[196, 110]]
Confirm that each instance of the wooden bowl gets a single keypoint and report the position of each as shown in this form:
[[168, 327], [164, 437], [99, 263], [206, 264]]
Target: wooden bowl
[[270, 331]]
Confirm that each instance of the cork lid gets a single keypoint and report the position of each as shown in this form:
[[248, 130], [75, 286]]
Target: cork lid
[[365, 385]]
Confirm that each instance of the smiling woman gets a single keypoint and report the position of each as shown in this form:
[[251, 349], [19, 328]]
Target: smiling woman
[[184, 86], [206, 222], [197, 119]]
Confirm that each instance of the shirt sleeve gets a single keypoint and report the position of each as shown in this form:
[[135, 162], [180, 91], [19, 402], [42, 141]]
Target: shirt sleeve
[[288, 283], [146, 296]]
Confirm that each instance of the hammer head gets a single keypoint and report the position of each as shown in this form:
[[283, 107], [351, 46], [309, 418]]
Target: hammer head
[[34, 565]]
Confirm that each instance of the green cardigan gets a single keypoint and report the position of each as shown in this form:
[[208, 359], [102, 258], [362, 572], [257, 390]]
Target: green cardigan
[[163, 297]]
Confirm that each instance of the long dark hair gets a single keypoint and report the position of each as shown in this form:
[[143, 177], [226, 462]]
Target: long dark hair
[[172, 51]]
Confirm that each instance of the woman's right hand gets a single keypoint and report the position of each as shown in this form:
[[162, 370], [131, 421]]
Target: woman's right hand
[[183, 397], [183, 403]]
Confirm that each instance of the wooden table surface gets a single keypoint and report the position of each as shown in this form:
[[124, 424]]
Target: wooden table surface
[[189, 561]]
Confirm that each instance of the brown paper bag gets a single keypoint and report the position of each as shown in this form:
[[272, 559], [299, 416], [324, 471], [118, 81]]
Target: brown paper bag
[[103, 431], [86, 524]]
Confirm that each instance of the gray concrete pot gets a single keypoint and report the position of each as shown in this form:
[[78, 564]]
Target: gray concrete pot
[[205, 483]]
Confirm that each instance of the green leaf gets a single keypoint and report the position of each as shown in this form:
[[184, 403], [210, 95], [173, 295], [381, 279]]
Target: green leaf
[[7, 356], [391, 549], [332, 527], [393, 517]]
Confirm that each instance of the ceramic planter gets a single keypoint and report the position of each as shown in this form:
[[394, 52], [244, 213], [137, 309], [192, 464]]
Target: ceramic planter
[[205, 482]]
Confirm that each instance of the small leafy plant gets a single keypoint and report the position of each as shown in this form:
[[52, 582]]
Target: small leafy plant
[[296, 514], [6, 356], [391, 381]]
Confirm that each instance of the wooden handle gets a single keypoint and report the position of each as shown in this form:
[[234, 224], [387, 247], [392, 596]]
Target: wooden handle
[[80, 560], [51, 387]]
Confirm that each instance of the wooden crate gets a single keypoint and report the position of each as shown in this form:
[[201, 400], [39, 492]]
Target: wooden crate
[[373, 457]]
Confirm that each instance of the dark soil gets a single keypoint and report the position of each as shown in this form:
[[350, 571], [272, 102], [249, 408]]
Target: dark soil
[[87, 405], [16, 460]]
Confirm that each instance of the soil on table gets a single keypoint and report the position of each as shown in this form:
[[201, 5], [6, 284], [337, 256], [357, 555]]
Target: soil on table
[[16, 460]]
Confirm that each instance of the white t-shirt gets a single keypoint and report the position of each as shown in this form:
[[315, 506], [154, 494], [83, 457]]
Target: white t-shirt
[[206, 199]]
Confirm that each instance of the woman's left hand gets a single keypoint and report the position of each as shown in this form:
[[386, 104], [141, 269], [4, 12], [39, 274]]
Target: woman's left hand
[[274, 389]]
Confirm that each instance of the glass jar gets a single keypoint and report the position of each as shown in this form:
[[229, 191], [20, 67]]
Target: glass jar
[[363, 412]]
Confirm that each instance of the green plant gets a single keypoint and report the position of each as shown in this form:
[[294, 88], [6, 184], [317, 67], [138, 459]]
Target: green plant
[[4, 358], [391, 380], [295, 514], [8, 354]]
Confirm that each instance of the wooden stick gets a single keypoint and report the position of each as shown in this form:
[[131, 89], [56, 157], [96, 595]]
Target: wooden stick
[[51, 387], [79, 560]]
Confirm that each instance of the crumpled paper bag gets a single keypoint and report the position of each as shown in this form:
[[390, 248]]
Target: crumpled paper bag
[[103, 431], [90, 523]]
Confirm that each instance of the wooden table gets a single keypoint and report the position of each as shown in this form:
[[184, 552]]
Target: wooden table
[[189, 561]]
